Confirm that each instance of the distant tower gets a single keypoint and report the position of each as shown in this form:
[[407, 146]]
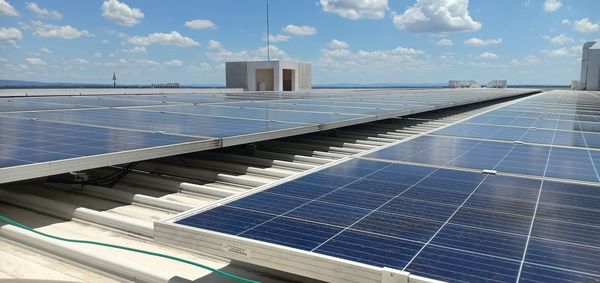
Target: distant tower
[[114, 79]]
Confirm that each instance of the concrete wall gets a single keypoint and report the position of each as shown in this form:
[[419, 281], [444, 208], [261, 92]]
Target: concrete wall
[[590, 66], [236, 75], [304, 76], [593, 72]]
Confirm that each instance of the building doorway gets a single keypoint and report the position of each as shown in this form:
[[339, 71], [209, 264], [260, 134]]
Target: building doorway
[[264, 80], [288, 79]]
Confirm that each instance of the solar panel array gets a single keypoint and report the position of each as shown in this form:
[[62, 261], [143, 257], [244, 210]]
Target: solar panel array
[[79, 131], [424, 205]]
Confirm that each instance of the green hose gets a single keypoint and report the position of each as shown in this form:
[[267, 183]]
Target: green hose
[[222, 273]]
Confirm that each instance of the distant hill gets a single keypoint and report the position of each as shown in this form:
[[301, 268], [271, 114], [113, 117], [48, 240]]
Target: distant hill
[[34, 84], [380, 85]]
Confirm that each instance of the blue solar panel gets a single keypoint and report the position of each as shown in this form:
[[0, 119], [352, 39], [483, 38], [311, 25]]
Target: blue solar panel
[[29, 141], [455, 225], [257, 113], [202, 126]]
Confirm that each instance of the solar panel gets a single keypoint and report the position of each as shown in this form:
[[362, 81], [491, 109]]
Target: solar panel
[[209, 120], [423, 206]]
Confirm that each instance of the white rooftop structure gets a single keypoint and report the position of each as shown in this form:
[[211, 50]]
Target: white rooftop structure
[[268, 75], [463, 84], [590, 66]]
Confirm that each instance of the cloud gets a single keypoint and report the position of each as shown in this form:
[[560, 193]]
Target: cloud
[[172, 38], [220, 54], [356, 9], [34, 61], [137, 50], [488, 55], [10, 35], [367, 64], [213, 44], [7, 10], [474, 41], [407, 51], [276, 38], [79, 61], [274, 52], [437, 16], [563, 52], [121, 13], [526, 61], [200, 24], [65, 32], [586, 26], [560, 39], [300, 30], [45, 50], [42, 12], [444, 42], [147, 63], [173, 63], [565, 22], [552, 5], [337, 44]]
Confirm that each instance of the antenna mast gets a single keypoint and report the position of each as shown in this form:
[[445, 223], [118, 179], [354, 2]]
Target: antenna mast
[[268, 35]]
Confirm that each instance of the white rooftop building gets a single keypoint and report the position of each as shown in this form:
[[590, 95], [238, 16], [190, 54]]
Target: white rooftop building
[[590, 66], [268, 75]]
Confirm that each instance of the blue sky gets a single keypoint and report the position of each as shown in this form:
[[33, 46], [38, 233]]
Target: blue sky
[[347, 41]]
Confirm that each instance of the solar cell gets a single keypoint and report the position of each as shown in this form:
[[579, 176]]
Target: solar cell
[[395, 207]]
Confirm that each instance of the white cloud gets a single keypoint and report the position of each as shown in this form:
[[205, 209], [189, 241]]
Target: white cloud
[[45, 50], [300, 30], [98, 55], [145, 62], [552, 5], [137, 50], [407, 51], [34, 61], [356, 9], [200, 24], [362, 63], [560, 39], [10, 35], [277, 38], [585, 25], [220, 54], [337, 44], [7, 10], [526, 61], [42, 12], [121, 13], [437, 16], [79, 61], [444, 42], [172, 38], [274, 52], [65, 32], [213, 44], [173, 63], [565, 22], [563, 52], [488, 55], [474, 41]]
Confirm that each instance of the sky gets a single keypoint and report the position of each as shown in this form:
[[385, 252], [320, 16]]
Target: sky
[[347, 41]]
